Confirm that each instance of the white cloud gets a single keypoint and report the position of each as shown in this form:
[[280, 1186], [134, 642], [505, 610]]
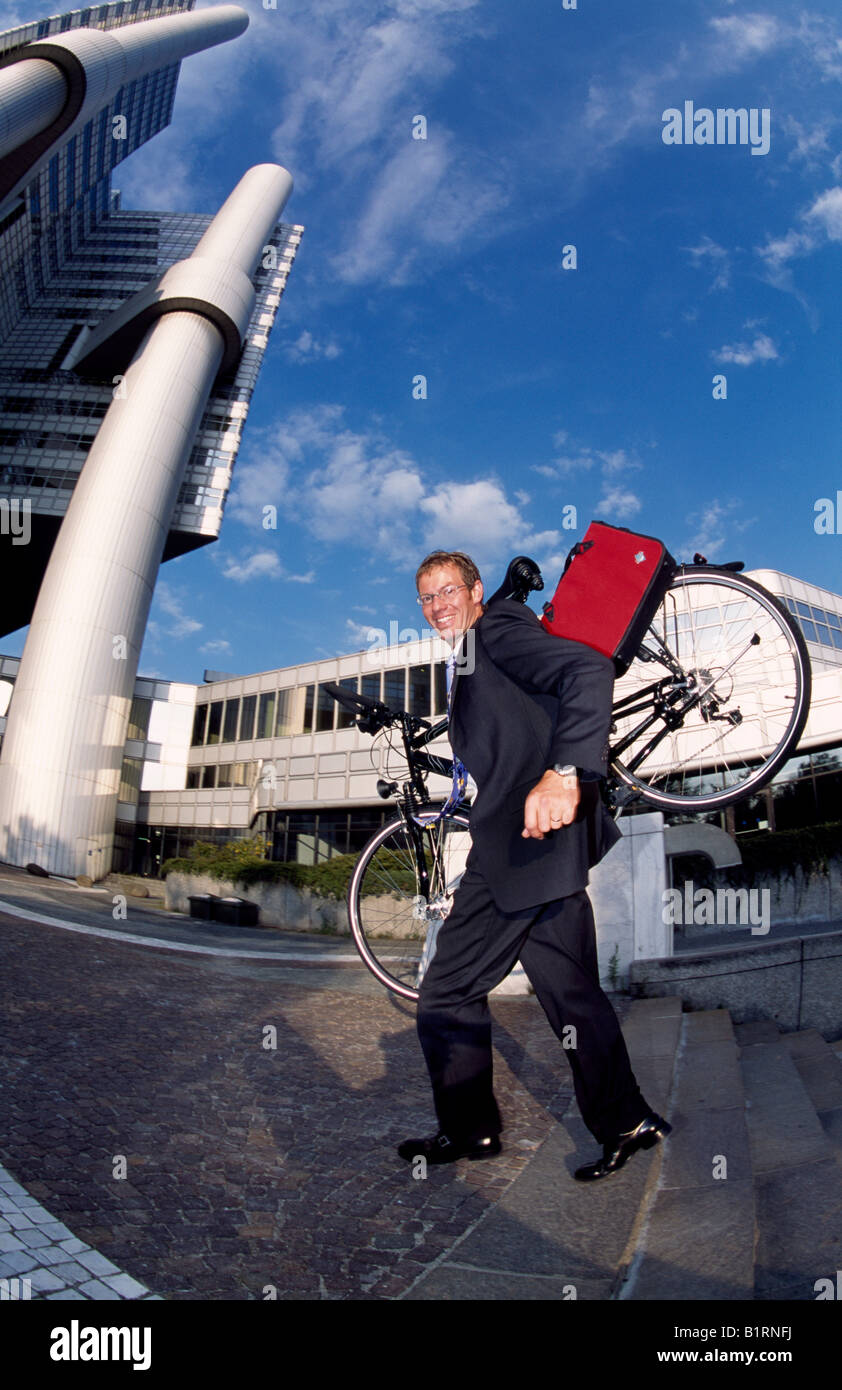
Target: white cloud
[[479, 518], [826, 211], [708, 535], [810, 145], [746, 354], [355, 487], [261, 564], [360, 636], [395, 225], [306, 348], [824, 215], [618, 504], [747, 36], [220, 647], [715, 257], [616, 461], [171, 603]]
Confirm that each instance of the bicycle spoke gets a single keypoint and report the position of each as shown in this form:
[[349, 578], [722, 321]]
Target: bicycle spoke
[[733, 706], [393, 923]]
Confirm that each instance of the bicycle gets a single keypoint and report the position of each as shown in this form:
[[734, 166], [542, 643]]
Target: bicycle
[[714, 702]]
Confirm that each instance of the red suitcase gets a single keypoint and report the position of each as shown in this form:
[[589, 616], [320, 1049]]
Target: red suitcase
[[612, 584]]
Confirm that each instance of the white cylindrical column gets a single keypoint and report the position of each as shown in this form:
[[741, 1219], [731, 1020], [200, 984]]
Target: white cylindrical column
[[63, 749], [93, 64], [32, 96]]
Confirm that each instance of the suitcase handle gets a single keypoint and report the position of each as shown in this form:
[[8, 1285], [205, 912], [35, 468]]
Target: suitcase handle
[[578, 549]]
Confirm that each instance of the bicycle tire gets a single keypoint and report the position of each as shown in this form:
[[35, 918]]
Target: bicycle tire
[[393, 925], [743, 658]]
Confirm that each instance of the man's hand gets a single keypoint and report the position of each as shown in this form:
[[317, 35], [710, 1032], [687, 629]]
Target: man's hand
[[550, 805]]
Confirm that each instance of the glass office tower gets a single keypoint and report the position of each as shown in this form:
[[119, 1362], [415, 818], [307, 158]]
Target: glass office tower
[[84, 286], [68, 258]]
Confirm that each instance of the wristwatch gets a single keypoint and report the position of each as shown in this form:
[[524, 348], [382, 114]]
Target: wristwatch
[[565, 769]]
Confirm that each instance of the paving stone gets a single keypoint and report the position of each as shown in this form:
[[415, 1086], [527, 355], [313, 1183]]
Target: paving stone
[[799, 1220], [56, 1231], [11, 1188], [18, 1221], [461, 1282], [45, 1281], [40, 1217], [96, 1262], [72, 1246], [125, 1286], [17, 1262], [95, 1289], [679, 1265], [34, 1238], [71, 1271], [228, 1140]]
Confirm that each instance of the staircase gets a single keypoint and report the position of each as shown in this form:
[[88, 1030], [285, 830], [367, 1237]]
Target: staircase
[[743, 1201]]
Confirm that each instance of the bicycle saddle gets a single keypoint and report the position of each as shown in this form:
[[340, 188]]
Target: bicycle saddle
[[522, 578]]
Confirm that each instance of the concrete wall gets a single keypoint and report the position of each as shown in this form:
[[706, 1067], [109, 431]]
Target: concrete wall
[[803, 898], [280, 904], [796, 983]]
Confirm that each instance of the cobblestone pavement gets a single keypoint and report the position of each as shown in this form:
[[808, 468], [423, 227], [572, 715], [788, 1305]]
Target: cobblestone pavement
[[224, 1129]]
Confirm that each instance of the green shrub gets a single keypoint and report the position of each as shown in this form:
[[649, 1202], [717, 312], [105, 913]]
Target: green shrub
[[225, 863]]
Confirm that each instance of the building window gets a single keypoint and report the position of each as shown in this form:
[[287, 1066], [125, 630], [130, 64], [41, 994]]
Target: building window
[[247, 716], [266, 716], [419, 690], [229, 728], [394, 688], [324, 711], [307, 723], [139, 718], [208, 777], [130, 776], [215, 721], [440, 688], [199, 724], [370, 686], [345, 718], [285, 713]]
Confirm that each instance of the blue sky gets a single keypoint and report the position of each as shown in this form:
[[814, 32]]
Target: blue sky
[[443, 257]]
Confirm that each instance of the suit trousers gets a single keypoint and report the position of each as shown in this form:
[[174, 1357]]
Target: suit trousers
[[556, 944]]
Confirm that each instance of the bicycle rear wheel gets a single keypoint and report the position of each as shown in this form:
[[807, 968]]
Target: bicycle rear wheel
[[717, 697], [394, 922]]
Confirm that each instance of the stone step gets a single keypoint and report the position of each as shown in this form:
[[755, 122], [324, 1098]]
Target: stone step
[[798, 1193], [550, 1237], [820, 1072], [696, 1241]]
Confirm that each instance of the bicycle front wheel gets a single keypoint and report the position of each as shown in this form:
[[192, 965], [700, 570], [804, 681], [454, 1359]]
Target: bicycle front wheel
[[717, 697], [395, 907]]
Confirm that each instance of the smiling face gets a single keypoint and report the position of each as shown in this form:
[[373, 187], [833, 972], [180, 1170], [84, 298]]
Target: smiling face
[[452, 615]]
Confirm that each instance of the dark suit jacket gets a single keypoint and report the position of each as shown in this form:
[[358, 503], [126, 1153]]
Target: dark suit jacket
[[531, 700]]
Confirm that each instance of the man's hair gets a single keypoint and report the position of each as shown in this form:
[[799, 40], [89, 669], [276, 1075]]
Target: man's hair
[[465, 565]]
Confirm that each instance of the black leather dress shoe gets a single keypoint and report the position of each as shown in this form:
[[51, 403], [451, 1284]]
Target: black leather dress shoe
[[618, 1151], [438, 1148]]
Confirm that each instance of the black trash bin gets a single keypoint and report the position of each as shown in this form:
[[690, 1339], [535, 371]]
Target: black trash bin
[[201, 905], [235, 912]]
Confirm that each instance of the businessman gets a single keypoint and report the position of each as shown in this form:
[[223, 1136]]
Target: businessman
[[529, 719]]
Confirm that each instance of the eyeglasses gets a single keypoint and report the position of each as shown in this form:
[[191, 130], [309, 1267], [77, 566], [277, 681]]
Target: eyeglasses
[[446, 593]]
